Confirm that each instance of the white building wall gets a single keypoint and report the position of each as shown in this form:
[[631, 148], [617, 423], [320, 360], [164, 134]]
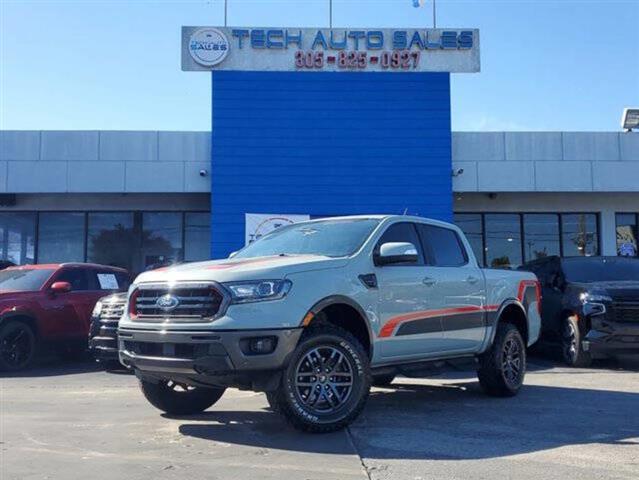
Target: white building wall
[[128, 161]]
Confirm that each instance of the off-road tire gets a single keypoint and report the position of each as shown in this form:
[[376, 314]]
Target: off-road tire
[[174, 399], [289, 402], [572, 351], [494, 367], [383, 380], [17, 346]]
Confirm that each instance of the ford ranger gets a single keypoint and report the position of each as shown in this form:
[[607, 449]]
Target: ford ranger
[[315, 312]]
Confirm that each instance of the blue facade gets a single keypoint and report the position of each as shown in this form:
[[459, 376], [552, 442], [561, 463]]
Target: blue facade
[[327, 144]]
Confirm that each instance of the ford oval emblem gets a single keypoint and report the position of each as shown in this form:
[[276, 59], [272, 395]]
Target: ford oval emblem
[[167, 302]]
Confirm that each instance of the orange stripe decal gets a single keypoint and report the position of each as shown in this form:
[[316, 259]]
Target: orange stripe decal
[[389, 327]]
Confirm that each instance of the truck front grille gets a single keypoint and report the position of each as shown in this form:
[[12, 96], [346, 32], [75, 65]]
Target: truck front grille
[[193, 303], [626, 312], [112, 311]]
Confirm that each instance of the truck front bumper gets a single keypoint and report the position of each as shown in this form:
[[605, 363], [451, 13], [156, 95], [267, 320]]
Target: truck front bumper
[[613, 338], [205, 356]]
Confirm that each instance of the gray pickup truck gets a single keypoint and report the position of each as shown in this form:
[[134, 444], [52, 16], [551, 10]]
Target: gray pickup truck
[[315, 313]]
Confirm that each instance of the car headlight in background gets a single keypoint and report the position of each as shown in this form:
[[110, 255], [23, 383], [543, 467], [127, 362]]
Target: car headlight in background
[[258, 290], [594, 298], [97, 310]]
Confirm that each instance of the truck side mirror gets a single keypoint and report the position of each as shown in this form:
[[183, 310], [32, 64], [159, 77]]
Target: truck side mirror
[[61, 287], [396, 252]]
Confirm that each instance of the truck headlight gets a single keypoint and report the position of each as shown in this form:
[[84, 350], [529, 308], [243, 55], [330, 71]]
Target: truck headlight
[[594, 298], [97, 310], [258, 290]]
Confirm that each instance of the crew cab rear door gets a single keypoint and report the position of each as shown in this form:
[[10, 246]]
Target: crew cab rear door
[[405, 301], [457, 288]]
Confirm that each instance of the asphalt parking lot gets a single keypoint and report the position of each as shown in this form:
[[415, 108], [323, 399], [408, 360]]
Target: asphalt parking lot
[[77, 422]]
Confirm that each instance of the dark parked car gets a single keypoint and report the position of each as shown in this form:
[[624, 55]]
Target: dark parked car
[[590, 306], [50, 304], [103, 337]]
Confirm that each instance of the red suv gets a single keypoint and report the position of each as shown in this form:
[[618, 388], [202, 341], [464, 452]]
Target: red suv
[[50, 304]]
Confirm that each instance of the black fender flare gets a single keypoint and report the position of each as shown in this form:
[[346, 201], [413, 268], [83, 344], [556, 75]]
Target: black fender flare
[[342, 300], [493, 321]]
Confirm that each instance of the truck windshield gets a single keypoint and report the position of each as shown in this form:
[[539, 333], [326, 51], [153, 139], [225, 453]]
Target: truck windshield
[[24, 280], [601, 269], [330, 238]]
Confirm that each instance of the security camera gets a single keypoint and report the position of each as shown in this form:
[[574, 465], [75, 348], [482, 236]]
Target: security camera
[[204, 172], [457, 172]]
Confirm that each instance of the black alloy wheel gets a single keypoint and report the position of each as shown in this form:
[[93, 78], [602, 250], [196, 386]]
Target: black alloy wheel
[[17, 346]]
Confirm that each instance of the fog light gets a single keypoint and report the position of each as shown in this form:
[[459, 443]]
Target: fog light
[[262, 345]]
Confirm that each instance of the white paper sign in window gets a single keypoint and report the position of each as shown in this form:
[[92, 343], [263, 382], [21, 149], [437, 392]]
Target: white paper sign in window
[[108, 281]]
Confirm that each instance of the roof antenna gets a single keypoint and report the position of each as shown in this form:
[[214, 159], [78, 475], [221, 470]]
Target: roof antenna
[[405, 211]]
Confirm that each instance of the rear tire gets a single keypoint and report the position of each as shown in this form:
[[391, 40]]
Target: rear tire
[[17, 346], [572, 350], [178, 399], [326, 383], [503, 367]]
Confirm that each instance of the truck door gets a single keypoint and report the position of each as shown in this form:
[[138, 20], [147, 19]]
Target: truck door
[[405, 302], [458, 288]]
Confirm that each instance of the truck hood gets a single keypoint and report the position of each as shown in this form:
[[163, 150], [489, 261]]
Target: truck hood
[[618, 290], [13, 298], [229, 270]]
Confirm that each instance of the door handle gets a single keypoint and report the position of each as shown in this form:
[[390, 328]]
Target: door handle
[[471, 279], [428, 281]]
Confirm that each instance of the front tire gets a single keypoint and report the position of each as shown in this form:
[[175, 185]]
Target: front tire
[[571, 348], [326, 383], [17, 346], [503, 367], [179, 399]]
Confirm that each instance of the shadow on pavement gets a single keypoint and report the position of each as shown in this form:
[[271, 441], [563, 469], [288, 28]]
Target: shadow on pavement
[[53, 366], [454, 421]]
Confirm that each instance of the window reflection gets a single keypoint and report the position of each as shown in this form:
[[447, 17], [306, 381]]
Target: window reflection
[[579, 234], [503, 240], [471, 225], [17, 237], [60, 237], [626, 233], [197, 236], [541, 235], [161, 239], [112, 239]]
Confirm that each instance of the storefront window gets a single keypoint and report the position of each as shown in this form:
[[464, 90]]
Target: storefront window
[[626, 232], [197, 236], [503, 240], [471, 225], [161, 239], [579, 234], [17, 237], [541, 235], [112, 239], [60, 237]]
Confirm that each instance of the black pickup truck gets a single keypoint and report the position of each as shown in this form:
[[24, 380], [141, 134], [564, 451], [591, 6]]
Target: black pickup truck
[[590, 306]]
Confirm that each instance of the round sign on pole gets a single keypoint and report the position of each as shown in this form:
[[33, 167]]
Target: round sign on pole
[[208, 46]]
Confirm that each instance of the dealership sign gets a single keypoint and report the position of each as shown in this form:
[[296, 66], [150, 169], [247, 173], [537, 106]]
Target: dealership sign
[[342, 50], [259, 224]]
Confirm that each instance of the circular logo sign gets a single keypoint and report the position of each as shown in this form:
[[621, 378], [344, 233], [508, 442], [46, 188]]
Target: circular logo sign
[[208, 46], [167, 302]]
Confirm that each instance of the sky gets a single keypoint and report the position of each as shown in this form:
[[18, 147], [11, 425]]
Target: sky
[[547, 65]]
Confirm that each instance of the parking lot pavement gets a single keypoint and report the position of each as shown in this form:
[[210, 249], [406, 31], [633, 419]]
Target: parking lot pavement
[[69, 422]]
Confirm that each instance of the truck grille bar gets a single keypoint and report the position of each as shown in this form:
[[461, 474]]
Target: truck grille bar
[[190, 302]]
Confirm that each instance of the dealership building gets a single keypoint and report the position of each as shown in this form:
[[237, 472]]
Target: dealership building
[[314, 123]]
